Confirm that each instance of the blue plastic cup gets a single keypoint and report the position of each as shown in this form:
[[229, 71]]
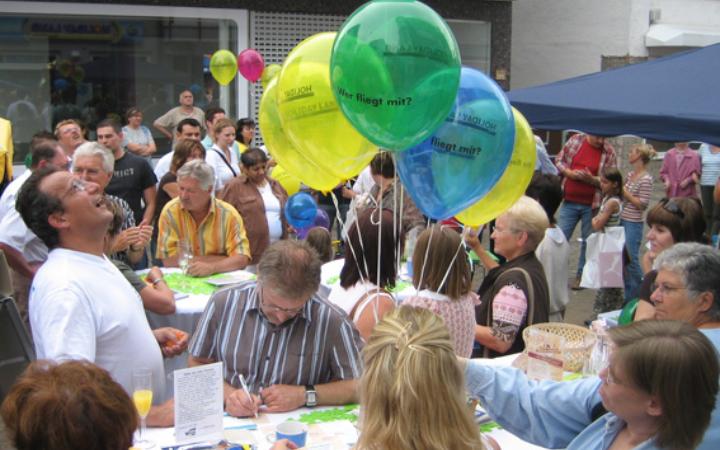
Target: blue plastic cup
[[295, 432]]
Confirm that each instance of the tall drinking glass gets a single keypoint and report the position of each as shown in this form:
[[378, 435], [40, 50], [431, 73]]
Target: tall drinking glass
[[142, 397], [185, 255]]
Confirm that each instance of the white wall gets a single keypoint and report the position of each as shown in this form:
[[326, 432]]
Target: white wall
[[557, 39], [689, 12]]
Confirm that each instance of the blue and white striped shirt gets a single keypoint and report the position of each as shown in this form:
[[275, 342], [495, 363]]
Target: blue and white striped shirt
[[317, 346]]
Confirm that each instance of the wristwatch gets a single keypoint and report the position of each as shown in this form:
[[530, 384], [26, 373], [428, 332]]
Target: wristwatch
[[310, 396]]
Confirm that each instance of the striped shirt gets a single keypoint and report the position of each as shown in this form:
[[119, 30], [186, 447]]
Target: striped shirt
[[641, 189], [128, 222], [710, 166], [317, 346], [221, 232]]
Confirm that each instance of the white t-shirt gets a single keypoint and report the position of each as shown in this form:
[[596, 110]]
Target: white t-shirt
[[554, 254], [17, 235], [272, 212], [223, 174], [81, 307], [163, 165], [9, 195]]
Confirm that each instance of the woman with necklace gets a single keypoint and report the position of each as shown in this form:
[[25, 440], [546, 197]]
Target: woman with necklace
[[636, 197]]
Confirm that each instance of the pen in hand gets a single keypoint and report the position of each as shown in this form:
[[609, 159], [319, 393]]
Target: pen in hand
[[247, 391]]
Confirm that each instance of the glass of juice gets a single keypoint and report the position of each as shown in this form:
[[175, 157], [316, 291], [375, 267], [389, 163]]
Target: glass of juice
[[142, 397]]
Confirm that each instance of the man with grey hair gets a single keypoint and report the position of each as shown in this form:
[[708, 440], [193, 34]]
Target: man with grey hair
[[94, 163], [293, 347], [687, 288], [212, 230]]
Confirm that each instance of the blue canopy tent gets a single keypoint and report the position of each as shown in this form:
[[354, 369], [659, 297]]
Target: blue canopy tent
[[675, 98]]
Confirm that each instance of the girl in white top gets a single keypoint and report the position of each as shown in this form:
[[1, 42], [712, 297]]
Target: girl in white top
[[363, 300], [441, 274], [220, 156]]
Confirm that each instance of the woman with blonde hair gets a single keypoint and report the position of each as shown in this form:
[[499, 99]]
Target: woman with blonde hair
[[410, 363], [442, 277]]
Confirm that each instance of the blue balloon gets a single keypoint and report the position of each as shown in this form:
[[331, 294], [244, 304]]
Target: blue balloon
[[300, 210], [464, 158]]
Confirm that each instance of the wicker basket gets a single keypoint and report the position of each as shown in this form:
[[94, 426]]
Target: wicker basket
[[579, 342]]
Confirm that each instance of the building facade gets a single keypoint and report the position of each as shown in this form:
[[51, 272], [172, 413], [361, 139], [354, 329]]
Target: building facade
[[95, 59]]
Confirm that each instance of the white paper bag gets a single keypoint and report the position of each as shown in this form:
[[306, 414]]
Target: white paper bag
[[604, 259]]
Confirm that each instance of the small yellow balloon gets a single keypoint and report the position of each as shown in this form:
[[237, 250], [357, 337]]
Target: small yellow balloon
[[513, 182], [310, 114], [284, 151], [288, 181], [270, 72], [223, 66]]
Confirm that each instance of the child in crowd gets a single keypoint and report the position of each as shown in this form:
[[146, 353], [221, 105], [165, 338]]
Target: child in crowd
[[611, 185], [442, 277], [319, 239], [554, 250]]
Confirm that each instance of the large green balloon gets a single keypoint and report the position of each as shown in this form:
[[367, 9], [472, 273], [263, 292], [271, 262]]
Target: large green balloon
[[395, 70], [223, 66]]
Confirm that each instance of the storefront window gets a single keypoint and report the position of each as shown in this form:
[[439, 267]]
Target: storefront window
[[95, 67]]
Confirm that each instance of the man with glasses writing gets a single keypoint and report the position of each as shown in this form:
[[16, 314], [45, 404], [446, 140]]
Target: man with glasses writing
[[293, 347]]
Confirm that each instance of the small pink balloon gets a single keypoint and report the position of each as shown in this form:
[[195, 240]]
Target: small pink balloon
[[250, 64]]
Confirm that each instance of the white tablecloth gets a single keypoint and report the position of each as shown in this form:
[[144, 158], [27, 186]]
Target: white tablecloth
[[330, 276]]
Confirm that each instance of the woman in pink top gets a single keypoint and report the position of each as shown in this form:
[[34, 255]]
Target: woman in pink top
[[441, 275], [681, 171]]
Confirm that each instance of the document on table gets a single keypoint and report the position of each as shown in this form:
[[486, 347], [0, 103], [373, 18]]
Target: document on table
[[199, 403]]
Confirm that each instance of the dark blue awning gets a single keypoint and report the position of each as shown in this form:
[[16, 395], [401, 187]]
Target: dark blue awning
[[675, 98]]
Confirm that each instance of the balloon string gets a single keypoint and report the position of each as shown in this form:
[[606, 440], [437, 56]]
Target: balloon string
[[425, 259], [348, 243], [452, 263]]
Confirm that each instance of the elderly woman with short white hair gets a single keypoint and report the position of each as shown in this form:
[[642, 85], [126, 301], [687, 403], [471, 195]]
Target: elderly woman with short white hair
[[687, 288], [513, 295]]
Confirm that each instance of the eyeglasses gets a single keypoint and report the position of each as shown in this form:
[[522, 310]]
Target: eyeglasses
[[664, 289], [77, 185], [673, 208], [275, 308]]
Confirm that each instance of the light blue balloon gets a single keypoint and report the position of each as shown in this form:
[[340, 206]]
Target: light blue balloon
[[300, 210], [464, 158]]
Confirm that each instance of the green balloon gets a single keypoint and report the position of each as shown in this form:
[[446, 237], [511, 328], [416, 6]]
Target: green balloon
[[395, 71], [223, 66]]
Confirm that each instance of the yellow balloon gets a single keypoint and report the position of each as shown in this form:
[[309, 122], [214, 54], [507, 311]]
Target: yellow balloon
[[288, 181], [270, 72], [223, 66], [284, 151], [513, 182], [310, 115]]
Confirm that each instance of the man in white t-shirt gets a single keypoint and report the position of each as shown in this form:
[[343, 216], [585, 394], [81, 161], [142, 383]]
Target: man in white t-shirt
[[186, 129], [81, 306]]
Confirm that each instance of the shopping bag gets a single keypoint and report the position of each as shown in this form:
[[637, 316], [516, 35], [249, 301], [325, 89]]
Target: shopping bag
[[604, 259]]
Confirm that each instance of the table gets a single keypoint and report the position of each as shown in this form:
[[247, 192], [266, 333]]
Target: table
[[325, 435]]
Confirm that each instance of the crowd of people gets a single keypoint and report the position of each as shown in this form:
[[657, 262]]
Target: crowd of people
[[88, 214]]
